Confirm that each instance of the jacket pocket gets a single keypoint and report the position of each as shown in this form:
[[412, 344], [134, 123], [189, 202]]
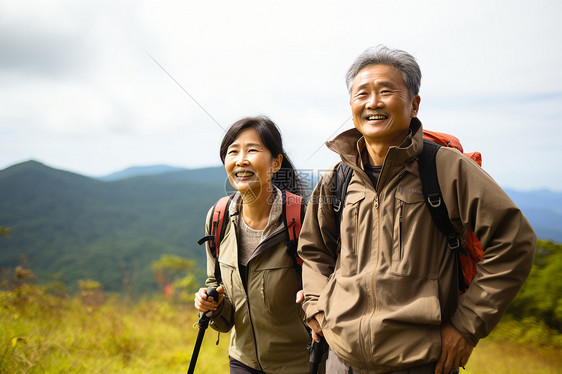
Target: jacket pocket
[[349, 226], [412, 235], [228, 279], [407, 319], [277, 286]]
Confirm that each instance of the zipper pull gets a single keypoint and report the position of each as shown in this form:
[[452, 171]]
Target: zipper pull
[[376, 201]]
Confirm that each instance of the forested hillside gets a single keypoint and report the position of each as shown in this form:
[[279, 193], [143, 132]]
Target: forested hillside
[[72, 227]]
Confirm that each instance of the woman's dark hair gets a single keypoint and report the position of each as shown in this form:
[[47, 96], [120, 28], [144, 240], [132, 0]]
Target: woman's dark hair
[[286, 178]]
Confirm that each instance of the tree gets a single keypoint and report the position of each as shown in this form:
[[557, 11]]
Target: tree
[[173, 273], [4, 231], [541, 294]]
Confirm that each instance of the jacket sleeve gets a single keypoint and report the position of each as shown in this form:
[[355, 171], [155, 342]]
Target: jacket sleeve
[[317, 244], [476, 202], [223, 318]]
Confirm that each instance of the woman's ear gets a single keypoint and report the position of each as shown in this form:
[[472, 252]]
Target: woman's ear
[[276, 163]]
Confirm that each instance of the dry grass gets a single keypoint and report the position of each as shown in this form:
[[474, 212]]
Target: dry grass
[[41, 333]]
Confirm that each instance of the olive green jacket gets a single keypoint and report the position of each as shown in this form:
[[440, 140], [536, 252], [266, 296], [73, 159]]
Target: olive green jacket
[[393, 283], [268, 328]]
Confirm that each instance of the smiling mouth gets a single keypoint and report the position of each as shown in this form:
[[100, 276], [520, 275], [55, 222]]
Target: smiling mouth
[[243, 174], [376, 117]]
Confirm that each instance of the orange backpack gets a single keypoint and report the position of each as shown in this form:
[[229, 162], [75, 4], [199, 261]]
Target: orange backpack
[[472, 251]]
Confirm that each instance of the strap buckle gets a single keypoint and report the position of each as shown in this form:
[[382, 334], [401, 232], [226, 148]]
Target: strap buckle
[[434, 200], [337, 205], [454, 244]]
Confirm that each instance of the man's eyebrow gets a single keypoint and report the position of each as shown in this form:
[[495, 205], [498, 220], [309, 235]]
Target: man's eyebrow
[[384, 83]]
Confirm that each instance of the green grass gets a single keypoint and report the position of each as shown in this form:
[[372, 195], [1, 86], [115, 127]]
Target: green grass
[[46, 334], [518, 347], [42, 333]]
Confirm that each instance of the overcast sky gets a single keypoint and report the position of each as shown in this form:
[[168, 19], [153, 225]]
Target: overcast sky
[[95, 87]]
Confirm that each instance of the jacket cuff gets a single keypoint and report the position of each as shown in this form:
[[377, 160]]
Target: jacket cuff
[[310, 309], [221, 319], [458, 321]]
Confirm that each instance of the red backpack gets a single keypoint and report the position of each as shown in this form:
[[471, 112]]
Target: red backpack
[[293, 213]]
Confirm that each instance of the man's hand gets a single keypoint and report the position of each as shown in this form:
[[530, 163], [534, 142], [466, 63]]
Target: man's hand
[[455, 350], [315, 323]]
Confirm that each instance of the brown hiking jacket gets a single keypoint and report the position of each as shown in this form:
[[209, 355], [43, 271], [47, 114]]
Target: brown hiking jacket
[[393, 283]]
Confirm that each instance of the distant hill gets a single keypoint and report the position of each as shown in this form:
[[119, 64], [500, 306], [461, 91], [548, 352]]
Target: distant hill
[[543, 208], [138, 171], [76, 227], [80, 228]]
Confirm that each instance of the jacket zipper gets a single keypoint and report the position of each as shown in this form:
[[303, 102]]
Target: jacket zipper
[[253, 331], [248, 302], [355, 245], [401, 219], [257, 252], [376, 205]]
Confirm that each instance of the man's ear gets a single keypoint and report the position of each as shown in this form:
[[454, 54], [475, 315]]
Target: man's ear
[[415, 106]]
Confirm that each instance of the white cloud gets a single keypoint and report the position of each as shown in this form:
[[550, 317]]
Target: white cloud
[[80, 91]]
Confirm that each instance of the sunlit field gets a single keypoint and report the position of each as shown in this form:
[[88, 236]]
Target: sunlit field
[[45, 333]]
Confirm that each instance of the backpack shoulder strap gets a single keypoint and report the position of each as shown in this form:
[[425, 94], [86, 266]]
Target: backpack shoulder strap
[[217, 227], [432, 193], [292, 213], [342, 176], [435, 202], [219, 222]]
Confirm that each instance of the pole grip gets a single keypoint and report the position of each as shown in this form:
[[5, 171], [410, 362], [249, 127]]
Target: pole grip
[[203, 324]]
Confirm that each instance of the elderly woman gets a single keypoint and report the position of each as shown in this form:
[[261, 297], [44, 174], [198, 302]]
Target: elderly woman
[[257, 275]]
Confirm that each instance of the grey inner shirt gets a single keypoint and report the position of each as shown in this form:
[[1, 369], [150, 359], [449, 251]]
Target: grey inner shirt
[[249, 239]]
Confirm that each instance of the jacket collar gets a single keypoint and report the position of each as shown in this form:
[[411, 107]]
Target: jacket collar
[[350, 144]]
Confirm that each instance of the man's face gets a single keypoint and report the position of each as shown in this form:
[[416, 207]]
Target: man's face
[[381, 105]]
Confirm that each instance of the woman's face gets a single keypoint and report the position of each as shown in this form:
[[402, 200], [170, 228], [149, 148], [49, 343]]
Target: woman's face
[[249, 164]]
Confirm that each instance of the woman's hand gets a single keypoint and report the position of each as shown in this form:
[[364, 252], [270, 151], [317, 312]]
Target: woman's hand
[[300, 297], [204, 303]]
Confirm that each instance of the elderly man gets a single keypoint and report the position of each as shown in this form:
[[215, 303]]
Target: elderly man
[[385, 295]]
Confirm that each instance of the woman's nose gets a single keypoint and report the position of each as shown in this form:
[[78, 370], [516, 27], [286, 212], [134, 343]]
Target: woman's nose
[[242, 159]]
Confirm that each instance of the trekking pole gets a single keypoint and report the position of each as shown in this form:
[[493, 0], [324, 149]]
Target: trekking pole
[[203, 324], [316, 352]]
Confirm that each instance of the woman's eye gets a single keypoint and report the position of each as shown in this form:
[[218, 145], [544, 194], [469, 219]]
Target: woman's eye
[[232, 151]]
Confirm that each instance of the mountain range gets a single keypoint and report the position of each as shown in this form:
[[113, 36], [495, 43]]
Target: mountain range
[[112, 228], [74, 227]]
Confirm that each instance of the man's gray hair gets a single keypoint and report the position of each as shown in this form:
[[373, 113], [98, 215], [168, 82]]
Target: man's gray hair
[[381, 55]]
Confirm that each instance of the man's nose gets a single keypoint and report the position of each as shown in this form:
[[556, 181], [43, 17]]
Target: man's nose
[[373, 101]]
